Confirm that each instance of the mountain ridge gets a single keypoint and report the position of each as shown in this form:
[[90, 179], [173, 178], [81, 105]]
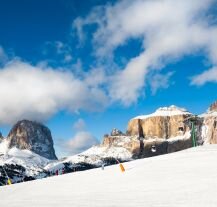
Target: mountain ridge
[[167, 130]]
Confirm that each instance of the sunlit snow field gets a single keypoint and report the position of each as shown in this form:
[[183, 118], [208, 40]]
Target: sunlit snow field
[[186, 178]]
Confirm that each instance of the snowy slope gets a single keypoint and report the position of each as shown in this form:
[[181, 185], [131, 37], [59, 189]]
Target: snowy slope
[[183, 179], [93, 155], [33, 163], [96, 154], [165, 111], [3, 147]]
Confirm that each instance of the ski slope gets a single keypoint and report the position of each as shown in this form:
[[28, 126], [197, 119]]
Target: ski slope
[[183, 179]]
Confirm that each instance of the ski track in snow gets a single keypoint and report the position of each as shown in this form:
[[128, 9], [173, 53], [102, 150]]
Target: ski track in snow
[[183, 179]]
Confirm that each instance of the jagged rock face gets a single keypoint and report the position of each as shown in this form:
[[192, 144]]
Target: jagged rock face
[[209, 129], [131, 143], [116, 132], [144, 148], [1, 137], [178, 145], [164, 123], [155, 130], [213, 107], [32, 136]]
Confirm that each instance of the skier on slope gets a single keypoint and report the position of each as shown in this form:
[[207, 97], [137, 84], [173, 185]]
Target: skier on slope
[[103, 165]]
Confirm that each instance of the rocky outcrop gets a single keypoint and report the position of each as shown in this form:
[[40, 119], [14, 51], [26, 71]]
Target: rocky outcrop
[[165, 123], [144, 148], [209, 129], [213, 107], [209, 132], [166, 130], [1, 137], [32, 136], [131, 143], [116, 132]]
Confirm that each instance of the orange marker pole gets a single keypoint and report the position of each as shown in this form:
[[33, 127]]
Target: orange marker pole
[[122, 167]]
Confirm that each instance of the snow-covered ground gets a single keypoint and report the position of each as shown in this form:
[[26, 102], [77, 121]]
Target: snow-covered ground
[[93, 155], [184, 179]]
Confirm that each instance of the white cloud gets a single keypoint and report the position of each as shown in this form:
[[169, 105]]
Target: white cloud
[[61, 52], [79, 125], [168, 29], [79, 22], [3, 56], [126, 85], [207, 76], [80, 142], [95, 77], [167, 34], [160, 81], [37, 93], [67, 58]]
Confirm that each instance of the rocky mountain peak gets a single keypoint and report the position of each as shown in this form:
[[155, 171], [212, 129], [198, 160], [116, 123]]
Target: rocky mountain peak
[[213, 107], [172, 108], [165, 122], [33, 136], [166, 112], [116, 132], [1, 137]]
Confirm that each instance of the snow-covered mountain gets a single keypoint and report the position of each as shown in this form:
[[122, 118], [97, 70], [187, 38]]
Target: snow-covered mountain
[[24, 153], [20, 152], [166, 111], [94, 157], [134, 144], [165, 122], [23, 164], [20, 165], [182, 179], [33, 136]]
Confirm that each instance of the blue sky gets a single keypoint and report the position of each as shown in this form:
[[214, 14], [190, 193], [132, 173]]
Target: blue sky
[[85, 67]]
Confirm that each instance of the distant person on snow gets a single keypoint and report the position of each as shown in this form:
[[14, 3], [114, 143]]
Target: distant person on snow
[[103, 165]]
